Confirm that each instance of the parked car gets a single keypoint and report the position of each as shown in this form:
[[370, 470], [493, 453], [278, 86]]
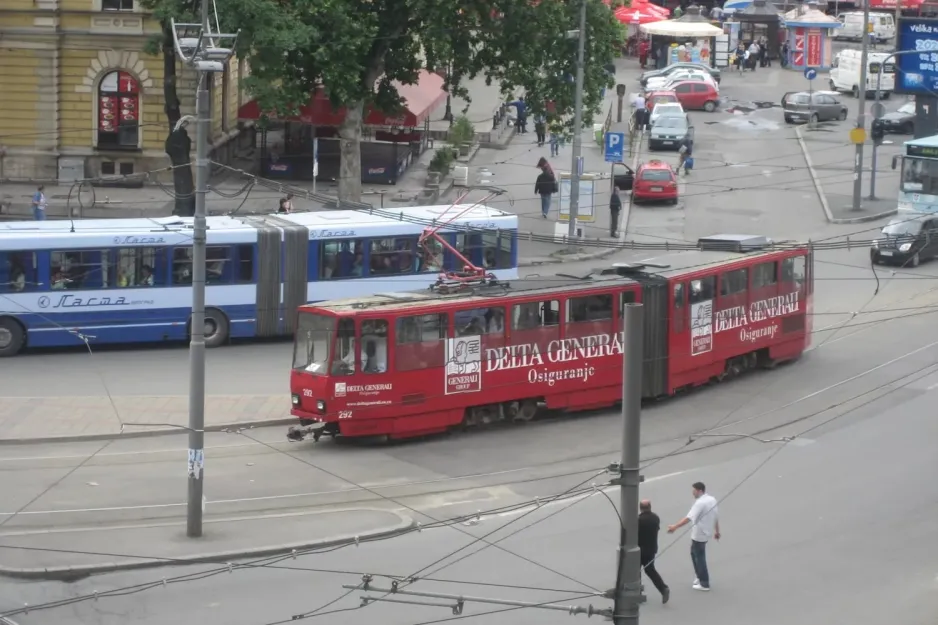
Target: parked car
[[901, 122], [703, 78], [654, 98], [816, 106], [674, 67], [697, 95], [669, 132], [655, 181], [623, 176], [905, 241], [665, 108], [659, 82]]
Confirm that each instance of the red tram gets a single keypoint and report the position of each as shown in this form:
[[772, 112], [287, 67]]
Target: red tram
[[409, 364]]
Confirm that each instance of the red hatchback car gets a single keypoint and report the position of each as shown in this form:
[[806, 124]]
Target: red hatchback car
[[654, 181], [697, 95]]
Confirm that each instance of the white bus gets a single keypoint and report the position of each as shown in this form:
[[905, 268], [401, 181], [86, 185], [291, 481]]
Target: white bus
[[130, 280]]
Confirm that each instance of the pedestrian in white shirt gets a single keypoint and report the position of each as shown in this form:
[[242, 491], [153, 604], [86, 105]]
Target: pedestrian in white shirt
[[704, 515]]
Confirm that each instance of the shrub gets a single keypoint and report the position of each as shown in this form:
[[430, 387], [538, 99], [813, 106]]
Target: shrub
[[442, 161], [462, 131]]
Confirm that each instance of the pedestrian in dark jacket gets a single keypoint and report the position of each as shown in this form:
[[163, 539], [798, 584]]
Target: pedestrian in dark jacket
[[546, 185], [648, 527], [615, 208]]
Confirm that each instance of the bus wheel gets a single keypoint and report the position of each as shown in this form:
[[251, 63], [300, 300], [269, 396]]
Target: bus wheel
[[216, 328], [12, 337]]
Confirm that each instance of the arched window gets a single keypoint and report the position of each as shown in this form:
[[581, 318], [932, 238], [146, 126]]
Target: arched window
[[118, 111]]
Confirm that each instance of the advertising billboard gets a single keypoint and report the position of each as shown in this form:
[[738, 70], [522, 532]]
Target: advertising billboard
[[917, 72]]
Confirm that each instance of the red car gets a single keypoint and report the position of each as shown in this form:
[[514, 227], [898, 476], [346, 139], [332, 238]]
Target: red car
[[697, 95], [654, 181], [656, 97]]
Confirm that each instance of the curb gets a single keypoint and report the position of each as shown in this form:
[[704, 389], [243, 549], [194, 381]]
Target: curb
[[823, 198], [74, 573], [78, 438]]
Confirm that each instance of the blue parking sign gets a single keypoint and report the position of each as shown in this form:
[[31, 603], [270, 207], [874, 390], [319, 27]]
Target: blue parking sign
[[614, 147]]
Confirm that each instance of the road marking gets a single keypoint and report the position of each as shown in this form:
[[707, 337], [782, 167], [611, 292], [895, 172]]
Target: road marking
[[932, 387]]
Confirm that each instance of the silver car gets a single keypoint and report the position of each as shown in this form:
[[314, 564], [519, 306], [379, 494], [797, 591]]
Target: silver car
[[669, 132]]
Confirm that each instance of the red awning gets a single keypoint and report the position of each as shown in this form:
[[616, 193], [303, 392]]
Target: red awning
[[420, 100]]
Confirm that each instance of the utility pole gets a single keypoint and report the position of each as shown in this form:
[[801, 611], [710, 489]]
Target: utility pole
[[861, 116], [198, 47], [628, 591], [577, 129]]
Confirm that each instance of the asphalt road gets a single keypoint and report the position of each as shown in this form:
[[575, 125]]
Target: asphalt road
[[835, 527]]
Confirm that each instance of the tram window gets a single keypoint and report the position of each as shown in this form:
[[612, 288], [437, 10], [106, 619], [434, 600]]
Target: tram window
[[81, 269], [793, 270], [533, 315], [374, 341], [217, 265], [344, 354], [136, 266], [18, 272], [764, 274], [628, 297], [734, 282], [430, 257], [702, 290], [480, 321], [392, 256], [314, 336], [182, 266], [421, 341], [677, 317], [589, 308], [341, 259], [245, 264]]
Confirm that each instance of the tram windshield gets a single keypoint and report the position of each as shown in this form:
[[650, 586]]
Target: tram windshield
[[920, 175], [314, 335]]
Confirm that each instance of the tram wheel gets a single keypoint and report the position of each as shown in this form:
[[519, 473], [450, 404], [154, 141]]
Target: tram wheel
[[526, 411]]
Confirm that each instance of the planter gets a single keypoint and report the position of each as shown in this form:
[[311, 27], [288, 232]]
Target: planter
[[464, 149], [433, 178]]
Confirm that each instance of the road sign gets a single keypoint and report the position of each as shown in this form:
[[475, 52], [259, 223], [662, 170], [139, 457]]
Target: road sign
[[810, 73], [614, 147], [878, 110], [857, 135]]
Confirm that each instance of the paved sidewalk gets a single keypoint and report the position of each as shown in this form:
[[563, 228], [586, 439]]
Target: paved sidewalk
[[225, 539]]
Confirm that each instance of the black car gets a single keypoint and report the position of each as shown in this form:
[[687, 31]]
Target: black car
[[901, 122], [907, 241], [673, 67], [813, 106], [623, 177]]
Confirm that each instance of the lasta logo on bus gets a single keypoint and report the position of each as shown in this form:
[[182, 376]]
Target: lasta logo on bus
[[466, 363]]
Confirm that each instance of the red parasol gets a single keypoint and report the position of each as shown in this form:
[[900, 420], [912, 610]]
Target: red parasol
[[651, 8], [638, 14]]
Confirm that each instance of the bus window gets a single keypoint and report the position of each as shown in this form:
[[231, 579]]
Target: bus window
[[340, 259], [392, 256], [430, 257], [421, 342], [374, 342], [496, 250], [81, 269], [589, 316], [217, 265], [677, 315], [182, 266], [314, 334], [344, 355], [245, 272], [136, 266], [18, 272]]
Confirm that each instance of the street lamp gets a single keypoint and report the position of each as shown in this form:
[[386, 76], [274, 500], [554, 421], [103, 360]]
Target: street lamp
[[202, 51]]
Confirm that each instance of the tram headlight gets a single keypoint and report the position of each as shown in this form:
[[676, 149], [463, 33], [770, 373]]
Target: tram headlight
[[321, 406], [905, 247], [295, 399]]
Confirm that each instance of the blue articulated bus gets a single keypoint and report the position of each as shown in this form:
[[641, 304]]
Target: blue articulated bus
[[118, 281]]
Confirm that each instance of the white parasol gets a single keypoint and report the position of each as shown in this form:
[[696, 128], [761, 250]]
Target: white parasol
[[677, 28]]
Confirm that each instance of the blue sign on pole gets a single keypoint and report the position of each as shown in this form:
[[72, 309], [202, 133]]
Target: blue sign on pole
[[614, 147], [917, 73], [810, 73]]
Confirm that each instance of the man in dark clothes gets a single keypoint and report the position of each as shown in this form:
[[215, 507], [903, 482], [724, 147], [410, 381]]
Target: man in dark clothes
[[648, 527], [615, 207]]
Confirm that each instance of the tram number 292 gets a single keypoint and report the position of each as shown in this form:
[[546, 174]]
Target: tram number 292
[[345, 414]]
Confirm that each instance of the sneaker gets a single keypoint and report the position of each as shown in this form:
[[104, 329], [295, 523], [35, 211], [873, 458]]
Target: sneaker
[[696, 582], [697, 586], [665, 595]]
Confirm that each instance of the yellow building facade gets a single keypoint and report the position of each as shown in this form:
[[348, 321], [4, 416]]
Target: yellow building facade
[[79, 97]]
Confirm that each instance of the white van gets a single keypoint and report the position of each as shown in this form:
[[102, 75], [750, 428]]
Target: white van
[[882, 25], [845, 73]]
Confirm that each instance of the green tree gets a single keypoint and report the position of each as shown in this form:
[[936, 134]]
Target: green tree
[[178, 144]]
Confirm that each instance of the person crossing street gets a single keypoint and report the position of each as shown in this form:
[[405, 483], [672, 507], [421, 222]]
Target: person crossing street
[[648, 527]]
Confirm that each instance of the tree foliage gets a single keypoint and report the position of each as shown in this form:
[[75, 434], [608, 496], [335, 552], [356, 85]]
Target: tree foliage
[[357, 49]]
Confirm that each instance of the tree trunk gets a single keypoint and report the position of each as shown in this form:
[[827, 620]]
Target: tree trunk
[[350, 154], [178, 144]]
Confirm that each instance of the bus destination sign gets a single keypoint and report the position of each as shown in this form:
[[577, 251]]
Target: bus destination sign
[[930, 151]]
